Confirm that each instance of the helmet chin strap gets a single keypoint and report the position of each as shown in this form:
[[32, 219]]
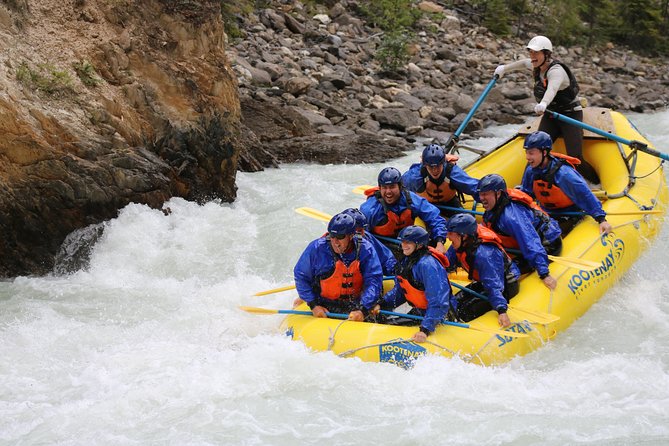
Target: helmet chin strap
[[544, 156], [546, 57]]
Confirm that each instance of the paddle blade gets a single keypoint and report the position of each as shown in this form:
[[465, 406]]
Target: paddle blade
[[256, 310], [314, 213], [361, 189], [650, 212], [574, 262], [532, 316], [275, 290], [510, 334]]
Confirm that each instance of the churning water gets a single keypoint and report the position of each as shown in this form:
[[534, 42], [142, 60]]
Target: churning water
[[147, 345]]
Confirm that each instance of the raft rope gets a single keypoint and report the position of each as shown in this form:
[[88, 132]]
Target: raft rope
[[331, 339]]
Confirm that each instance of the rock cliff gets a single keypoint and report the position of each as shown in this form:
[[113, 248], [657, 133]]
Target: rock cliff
[[103, 103]]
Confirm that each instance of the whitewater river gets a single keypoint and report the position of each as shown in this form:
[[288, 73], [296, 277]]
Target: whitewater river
[[147, 345]]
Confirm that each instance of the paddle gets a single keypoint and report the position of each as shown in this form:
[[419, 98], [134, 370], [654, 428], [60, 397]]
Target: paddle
[[292, 287], [256, 310], [361, 190], [275, 290], [639, 212], [572, 262], [531, 315], [459, 325], [461, 210], [318, 215], [638, 145], [455, 137]]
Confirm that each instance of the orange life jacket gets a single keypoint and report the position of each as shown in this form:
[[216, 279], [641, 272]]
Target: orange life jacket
[[520, 197], [392, 224], [413, 291], [345, 282], [437, 190], [484, 235], [546, 191]]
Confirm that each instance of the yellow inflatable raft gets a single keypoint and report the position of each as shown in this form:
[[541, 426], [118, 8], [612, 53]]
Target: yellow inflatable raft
[[632, 182]]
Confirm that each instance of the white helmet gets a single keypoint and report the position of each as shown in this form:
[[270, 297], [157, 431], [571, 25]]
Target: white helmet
[[539, 43]]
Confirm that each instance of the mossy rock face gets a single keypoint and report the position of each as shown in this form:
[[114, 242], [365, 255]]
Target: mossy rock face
[[137, 105]]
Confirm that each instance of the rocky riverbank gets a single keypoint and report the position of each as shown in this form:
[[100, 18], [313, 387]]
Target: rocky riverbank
[[311, 90]]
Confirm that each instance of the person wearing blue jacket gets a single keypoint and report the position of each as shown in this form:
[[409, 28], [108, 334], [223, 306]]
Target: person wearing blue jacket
[[385, 255], [479, 251], [552, 179], [439, 180], [339, 272], [421, 280], [392, 208], [521, 224]]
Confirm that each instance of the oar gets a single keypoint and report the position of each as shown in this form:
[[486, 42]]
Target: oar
[[461, 210], [572, 262], [361, 189], [460, 325], [639, 212], [455, 137], [318, 215], [292, 287], [256, 310], [638, 145], [275, 290], [314, 213], [533, 316]]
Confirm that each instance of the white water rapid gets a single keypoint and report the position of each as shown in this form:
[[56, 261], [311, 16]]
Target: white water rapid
[[147, 344]]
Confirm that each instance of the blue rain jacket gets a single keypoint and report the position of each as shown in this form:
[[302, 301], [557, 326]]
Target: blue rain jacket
[[571, 183], [432, 275], [420, 207], [385, 255], [459, 179], [489, 263], [520, 222], [317, 259]]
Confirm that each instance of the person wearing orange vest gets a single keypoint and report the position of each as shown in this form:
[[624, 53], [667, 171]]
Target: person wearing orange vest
[[339, 272], [439, 180], [479, 251], [392, 208], [552, 179], [555, 89], [421, 281], [521, 224]]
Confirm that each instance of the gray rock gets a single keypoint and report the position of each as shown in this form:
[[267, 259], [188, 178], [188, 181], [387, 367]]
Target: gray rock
[[298, 85], [411, 102], [399, 118], [313, 118]]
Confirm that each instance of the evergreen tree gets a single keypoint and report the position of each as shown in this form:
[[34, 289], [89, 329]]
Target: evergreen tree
[[641, 24]]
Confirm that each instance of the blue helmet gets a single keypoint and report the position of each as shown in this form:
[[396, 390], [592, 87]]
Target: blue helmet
[[359, 217], [462, 224], [341, 224], [492, 181], [538, 140], [415, 234], [389, 175], [434, 155]]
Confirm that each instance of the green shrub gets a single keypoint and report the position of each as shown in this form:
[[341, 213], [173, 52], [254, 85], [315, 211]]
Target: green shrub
[[86, 72], [393, 52], [45, 78], [391, 15]]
